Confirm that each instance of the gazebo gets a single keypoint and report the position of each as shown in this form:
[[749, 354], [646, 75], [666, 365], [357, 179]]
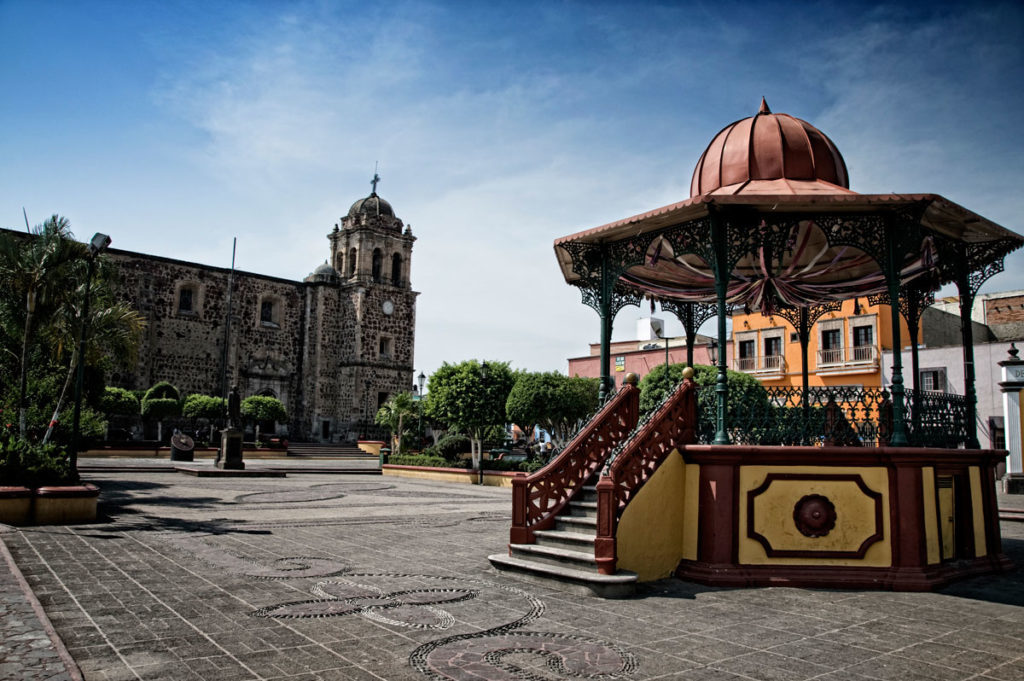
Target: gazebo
[[772, 225]]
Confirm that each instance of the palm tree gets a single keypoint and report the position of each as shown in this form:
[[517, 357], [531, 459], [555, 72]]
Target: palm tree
[[115, 330], [37, 269], [393, 414]]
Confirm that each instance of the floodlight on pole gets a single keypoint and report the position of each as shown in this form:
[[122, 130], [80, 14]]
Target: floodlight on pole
[[98, 244]]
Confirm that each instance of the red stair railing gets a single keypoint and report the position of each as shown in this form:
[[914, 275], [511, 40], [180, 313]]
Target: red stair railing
[[669, 427], [540, 496]]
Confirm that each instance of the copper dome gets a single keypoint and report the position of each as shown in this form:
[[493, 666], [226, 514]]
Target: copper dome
[[765, 149]]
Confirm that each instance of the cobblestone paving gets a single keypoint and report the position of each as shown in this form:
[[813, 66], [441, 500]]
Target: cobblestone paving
[[26, 651], [339, 577]]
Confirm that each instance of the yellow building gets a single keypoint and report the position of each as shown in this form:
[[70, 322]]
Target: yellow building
[[845, 346]]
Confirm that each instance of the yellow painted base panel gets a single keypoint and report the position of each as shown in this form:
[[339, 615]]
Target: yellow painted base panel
[[931, 516], [773, 515], [17, 511], [58, 511], [651, 533]]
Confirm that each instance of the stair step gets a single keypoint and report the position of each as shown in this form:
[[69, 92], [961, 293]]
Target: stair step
[[565, 539], [582, 508], [576, 523], [554, 555], [619, 585]]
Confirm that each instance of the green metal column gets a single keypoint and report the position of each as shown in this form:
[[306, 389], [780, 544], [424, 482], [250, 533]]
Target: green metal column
[[913, 329], [720, 239], [804, 333], [967, 338], [691, 333], [892, 279]]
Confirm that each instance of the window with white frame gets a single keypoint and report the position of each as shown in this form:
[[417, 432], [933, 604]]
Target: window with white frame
[[830, 342], [772, 344], [863, 337], [932, 379]]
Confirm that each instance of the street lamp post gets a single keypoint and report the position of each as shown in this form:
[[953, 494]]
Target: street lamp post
[[99, 243], [422, 379]]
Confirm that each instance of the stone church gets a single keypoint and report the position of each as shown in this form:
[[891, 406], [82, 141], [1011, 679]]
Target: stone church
[[332, 347]]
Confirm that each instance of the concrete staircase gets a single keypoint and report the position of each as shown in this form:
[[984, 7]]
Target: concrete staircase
[[565, 554]]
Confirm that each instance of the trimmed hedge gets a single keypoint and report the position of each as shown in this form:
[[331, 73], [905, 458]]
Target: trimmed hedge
[[119, 402]]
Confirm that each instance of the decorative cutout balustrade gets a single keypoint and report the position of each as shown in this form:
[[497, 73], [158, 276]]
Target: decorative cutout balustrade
[[670, 426], [936, 419], [538, 498], [831, 415]]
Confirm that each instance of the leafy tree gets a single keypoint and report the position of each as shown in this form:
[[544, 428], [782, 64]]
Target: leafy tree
[[160, 402], [746, 394], [119, 402], [198, 406], [262, 409], [162, 389], [38, 272], [451, 447], [114, 331], [469, 397], [393, 413], [552, 401]]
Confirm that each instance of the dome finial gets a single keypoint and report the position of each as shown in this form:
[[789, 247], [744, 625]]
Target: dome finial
[[375, 180], [764, 107]]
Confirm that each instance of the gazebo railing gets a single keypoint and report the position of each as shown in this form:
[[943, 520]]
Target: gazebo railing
[[936, 419], [833, 415]]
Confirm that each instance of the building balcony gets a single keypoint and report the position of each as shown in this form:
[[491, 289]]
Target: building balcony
[[851, 360], [764, 366]]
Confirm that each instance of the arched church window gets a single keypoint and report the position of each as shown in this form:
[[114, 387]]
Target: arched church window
[[396, 270], [352, 262], [378, 259]]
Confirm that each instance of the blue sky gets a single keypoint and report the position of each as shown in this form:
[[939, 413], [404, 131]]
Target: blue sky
[[175, 126]]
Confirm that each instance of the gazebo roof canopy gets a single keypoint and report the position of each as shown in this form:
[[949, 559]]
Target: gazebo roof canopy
[[797, 234]]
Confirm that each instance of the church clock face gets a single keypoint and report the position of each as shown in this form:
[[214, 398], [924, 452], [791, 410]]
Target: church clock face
[[388, 307]]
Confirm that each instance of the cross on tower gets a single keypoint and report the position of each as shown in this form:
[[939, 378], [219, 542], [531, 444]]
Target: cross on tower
[[374, 181]]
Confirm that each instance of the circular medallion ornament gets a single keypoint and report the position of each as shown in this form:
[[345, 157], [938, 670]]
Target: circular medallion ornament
[[388, 307], [814, 515]]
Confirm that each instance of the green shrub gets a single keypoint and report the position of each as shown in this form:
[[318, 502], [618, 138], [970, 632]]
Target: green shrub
[[204, 407], [29, 465], [418, 460], [531, 466], [160, 408], [162, 390], [452, 447], [263, 408], [119, 402]]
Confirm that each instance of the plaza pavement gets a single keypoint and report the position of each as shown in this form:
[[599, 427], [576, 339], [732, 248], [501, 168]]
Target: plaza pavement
[[319, 576]]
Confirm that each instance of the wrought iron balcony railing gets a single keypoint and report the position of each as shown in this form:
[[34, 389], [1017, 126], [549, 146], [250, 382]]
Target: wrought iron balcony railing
[[856, 356], [765, 364]]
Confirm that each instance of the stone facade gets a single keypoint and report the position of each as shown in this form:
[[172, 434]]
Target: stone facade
[[332, 347]]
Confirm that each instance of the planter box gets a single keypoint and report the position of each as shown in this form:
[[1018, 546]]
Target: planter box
[[65, 504], [463, 475], [15, 505]]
